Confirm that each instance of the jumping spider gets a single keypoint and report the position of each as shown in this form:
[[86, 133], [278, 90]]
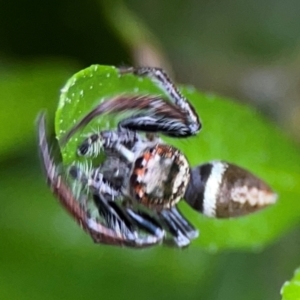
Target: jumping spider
[[130, 198]]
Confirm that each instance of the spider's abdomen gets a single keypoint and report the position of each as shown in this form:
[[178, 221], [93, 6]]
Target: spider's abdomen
[[159, 177], [223, 190]]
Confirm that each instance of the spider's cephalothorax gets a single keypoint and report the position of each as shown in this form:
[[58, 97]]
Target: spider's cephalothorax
[[130, 198]]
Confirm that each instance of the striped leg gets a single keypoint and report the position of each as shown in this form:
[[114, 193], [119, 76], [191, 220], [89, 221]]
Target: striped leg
[[159, 76]]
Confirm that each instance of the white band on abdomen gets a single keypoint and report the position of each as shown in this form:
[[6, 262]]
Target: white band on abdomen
[[212, 188]]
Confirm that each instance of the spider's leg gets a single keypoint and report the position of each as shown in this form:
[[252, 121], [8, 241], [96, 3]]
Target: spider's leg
[[154, 114], [159, 76], [137, 220], [158, 122], [178, 233], [222, 190], [146, 222], [105, 140], [94, 179], [186, 226], [125, 222], [113, 218], [57, 183]]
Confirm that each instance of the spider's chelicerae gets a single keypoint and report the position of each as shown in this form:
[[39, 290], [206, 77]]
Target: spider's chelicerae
[[130, 198]]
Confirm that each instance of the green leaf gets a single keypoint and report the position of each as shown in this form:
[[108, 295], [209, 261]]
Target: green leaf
[[291, 289], [230, 131]]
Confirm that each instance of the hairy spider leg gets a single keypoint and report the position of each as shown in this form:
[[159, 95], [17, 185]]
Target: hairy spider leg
[[155, 114], [155, 122], [160, 77]]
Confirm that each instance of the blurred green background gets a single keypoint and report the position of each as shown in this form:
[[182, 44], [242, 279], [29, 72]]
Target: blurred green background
[[247, 50]]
